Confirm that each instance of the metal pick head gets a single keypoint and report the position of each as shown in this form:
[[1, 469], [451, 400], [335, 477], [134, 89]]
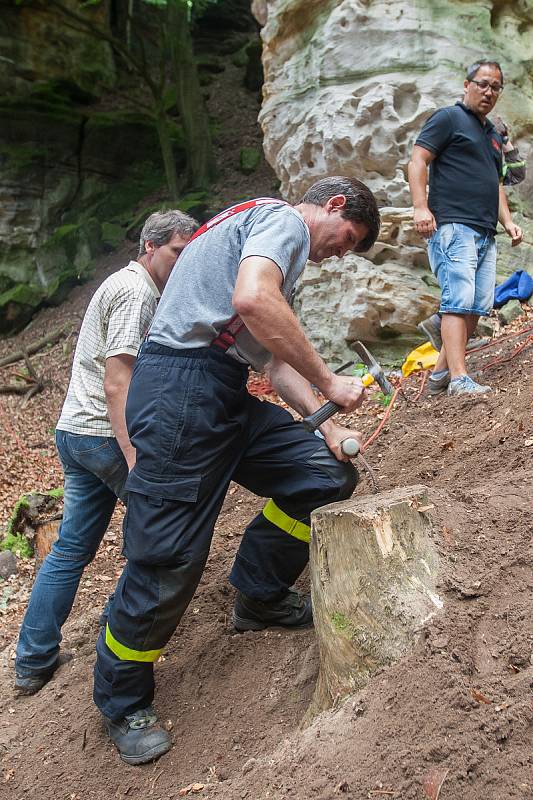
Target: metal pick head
[[373, 367]]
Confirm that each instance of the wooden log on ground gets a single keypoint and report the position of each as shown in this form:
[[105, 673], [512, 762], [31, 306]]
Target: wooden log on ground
[[34, 347], [373, 569]]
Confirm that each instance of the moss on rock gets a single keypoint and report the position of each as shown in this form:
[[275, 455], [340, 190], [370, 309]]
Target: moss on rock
[[249, 160], [17, 306]]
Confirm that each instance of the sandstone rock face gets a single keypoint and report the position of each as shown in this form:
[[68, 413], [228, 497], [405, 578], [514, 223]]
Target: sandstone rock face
[[348, 84], [37, 44]]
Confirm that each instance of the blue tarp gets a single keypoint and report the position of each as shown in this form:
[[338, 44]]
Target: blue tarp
[[519, 286]]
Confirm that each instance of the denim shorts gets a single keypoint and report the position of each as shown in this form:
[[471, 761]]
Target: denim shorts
[[464, 262]]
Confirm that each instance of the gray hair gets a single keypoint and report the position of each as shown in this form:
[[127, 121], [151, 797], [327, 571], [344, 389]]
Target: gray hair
[[161, 226], [473, 69]]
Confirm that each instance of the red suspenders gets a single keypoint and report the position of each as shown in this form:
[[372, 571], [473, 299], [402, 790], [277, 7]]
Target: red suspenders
[[226, 337]]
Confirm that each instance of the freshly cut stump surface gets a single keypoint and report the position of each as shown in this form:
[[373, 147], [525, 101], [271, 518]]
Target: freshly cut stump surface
[[373, 570]]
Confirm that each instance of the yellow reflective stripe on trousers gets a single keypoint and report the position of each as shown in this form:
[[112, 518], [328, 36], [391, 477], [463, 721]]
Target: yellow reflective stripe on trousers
[[292, 526], [127, 653]]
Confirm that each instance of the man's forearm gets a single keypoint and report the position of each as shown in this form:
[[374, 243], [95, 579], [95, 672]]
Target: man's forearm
[[272, 322], [297, 392], [504, 215], [116, 408], [293, 388], [117, 377], [417, 172]]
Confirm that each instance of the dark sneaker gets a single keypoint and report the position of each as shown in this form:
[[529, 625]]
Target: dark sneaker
[[438, 382], [292, 611], [430, 327], [27, 685], [138, 737], [465, 385], [473, 344]]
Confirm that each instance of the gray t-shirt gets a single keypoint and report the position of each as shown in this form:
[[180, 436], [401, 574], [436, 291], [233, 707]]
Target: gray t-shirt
[[196, 303]]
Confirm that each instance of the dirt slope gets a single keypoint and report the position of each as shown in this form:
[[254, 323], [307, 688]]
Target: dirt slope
[[460, 702]]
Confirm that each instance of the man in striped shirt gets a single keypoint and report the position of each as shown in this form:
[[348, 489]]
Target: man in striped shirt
[[91, 436]]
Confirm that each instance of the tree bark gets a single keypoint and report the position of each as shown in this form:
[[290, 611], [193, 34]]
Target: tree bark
[[189, 99], [165, 144], [373, 570]]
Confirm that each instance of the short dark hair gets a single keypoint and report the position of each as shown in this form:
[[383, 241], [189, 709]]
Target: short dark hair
[[472, 70], [360, 205]]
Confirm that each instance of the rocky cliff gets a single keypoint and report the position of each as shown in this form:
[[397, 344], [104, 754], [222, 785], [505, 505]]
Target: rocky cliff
[[348, 84], [72, 168]]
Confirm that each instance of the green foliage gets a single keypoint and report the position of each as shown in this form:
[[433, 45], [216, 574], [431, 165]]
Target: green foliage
[[57, 493], [21, 504], [383, 399], [359, 369], [343, 625], [21, 294], [60, 234], [249, 160], [112, 234], [195, 7], [15, 540], [20, 157], [18, 544]]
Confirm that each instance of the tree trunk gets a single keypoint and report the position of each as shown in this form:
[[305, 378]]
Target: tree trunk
[[373, 568], [165, 143], [46, 534], [189, 99]]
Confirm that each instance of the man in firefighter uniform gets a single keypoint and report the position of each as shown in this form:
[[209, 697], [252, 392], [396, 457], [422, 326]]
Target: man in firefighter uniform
[[195, 428]]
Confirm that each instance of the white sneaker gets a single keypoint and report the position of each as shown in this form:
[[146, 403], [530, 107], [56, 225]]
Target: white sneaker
[[465, 385]]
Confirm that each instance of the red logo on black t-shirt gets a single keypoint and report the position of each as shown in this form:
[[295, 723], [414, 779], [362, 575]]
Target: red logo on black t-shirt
[[496, 144]]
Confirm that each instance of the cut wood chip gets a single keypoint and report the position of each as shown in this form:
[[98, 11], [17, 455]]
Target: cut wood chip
[[423, 509], [528, 443], [432, 782]]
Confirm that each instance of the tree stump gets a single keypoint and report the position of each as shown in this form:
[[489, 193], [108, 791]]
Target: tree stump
[[373, 568], [34, 524]]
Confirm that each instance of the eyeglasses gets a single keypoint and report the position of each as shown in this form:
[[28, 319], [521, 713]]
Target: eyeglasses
[[496, 88]]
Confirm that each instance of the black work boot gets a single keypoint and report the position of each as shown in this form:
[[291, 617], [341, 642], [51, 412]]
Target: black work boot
[[27, 685], [292, 611], [138, 737]]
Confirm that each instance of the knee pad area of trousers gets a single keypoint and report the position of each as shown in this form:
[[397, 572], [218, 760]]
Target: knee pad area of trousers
[[343, 473], [348, 479]]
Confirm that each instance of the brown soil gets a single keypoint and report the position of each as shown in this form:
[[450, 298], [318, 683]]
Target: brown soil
[[460, 702]]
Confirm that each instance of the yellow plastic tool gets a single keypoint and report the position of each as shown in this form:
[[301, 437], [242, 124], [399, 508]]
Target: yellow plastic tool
[[424, 357]]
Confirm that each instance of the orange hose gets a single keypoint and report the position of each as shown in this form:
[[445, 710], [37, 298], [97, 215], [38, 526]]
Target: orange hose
[[381, 425]]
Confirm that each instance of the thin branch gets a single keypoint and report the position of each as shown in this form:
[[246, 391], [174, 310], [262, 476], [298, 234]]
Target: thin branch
[[19, 355]]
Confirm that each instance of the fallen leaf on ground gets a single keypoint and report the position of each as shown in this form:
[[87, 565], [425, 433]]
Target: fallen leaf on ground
[[448, 445], [432, 782], [447, 535], [480, 697], [192, 787]]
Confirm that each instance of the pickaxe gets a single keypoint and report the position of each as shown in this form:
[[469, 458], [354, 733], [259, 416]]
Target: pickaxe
[[350, 447]]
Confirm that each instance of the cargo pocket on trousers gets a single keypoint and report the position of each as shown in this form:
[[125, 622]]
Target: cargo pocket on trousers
[[158, 517]]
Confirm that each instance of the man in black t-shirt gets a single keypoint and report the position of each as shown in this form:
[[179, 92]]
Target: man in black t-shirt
[[466, 199]]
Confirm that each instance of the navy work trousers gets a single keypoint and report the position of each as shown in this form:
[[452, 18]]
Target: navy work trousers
[[195, 428]]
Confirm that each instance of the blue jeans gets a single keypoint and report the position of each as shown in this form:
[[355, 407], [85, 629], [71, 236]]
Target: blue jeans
[[95, 472], [464, 262]]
